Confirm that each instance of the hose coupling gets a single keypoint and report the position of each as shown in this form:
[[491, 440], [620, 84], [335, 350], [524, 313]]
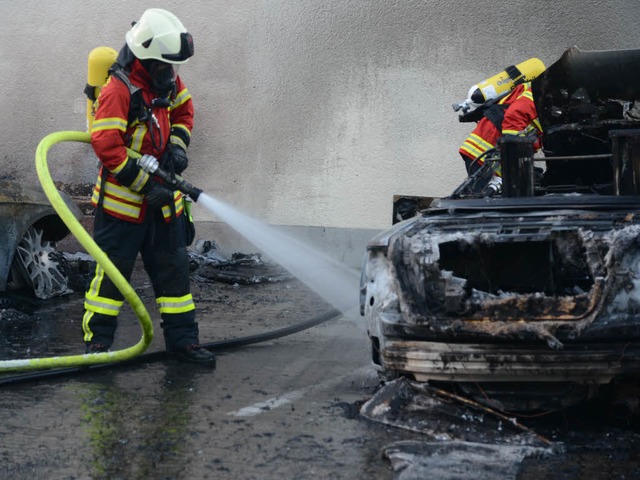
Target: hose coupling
[[149, 163]]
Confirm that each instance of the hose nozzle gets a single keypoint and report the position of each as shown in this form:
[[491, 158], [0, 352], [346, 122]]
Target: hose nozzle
[[150, 164]]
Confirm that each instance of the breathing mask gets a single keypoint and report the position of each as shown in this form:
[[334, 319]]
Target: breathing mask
[[163, 76]]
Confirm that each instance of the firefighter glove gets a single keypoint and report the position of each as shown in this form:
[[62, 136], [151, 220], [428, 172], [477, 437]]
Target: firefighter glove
[[177, 157], [132, 176], [157, 195]]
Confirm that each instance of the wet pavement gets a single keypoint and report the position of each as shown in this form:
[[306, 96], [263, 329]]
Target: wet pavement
[[292, 407], [282, 408]]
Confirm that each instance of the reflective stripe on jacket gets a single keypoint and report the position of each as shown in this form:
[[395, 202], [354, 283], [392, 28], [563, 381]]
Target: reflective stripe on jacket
[[124, 203]]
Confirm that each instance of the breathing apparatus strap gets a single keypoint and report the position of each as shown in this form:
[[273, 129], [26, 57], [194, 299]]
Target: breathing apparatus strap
[[90, 92], [513, 72], [495, 114], [103, 182], [139, 110]]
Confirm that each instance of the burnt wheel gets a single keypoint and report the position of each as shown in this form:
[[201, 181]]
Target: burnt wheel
[[37, 265]]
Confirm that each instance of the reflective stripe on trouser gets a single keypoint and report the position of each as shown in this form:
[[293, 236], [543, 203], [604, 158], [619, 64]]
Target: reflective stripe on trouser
[[178, 321], [164, 254], [102, 303]]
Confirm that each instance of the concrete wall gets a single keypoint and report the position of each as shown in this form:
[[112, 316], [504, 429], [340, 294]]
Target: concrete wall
[[310, 113]]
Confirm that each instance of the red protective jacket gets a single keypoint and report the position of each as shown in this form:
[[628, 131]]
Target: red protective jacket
[[112, 133], [520, 116]]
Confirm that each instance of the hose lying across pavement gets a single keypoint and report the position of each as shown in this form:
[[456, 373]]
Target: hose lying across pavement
[[66, 365], [228, 344]]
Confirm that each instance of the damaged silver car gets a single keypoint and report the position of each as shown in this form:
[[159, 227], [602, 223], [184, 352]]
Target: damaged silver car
[[29, 230], [530, 299]]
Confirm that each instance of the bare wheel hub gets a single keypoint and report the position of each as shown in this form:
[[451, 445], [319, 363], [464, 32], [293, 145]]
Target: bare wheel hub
[[40, 265]]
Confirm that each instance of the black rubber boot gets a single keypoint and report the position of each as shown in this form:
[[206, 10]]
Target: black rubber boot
[[195, 354], [97, 348]]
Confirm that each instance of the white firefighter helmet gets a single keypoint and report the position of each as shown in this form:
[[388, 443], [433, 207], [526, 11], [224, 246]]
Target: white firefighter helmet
[[159, 35]]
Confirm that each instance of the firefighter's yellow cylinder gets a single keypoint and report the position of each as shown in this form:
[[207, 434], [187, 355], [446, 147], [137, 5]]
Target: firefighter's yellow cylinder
[[504, 81], [99, 61]]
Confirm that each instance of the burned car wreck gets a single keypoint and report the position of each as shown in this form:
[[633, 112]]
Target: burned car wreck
[[530, 299]]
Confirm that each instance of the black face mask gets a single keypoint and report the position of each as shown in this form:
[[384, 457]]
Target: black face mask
[[163, 77]]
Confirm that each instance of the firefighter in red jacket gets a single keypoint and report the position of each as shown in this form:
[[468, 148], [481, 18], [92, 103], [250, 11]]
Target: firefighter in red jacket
[[146, 107], [514, 114]]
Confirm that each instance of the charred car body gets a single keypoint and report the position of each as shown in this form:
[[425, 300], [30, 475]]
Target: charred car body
[[529, 299]]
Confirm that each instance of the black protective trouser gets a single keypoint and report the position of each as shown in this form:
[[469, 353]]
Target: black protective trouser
[[164, 254]]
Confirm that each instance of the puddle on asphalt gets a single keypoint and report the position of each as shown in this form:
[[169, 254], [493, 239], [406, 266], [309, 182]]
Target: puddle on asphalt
[[122, 421], [30, 329], [154, 417]]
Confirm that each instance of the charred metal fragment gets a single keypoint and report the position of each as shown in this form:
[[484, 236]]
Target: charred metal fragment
[[241, 268]]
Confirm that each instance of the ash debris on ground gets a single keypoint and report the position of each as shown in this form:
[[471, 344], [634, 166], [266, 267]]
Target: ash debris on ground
[[15, 328], [79, 269], [458, 460], [460, 442], [464, 440], [208, 263], [28, 324]]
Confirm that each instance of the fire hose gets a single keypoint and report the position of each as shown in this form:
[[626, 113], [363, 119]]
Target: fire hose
[[69, 364]]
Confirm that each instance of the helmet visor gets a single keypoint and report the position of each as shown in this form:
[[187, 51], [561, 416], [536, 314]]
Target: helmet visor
[[186, 49]]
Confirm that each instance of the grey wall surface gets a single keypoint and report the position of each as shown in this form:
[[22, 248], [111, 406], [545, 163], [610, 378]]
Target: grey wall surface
[[309, 113]]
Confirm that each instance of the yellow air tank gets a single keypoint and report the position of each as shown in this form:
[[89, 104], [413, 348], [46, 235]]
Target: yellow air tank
[[99, 62], [501, 83]]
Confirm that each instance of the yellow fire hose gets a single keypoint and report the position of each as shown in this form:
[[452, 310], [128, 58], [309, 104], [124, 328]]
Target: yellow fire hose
[[94, 250]]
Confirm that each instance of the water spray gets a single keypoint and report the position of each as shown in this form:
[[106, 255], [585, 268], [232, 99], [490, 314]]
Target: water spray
[[333, 281]]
